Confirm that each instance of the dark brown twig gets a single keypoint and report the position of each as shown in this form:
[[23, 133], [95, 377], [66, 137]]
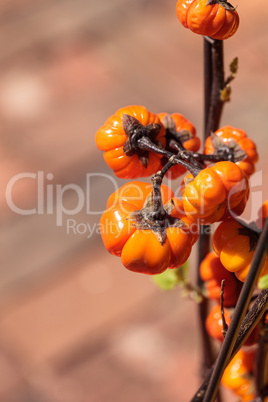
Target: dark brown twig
[[262, 363], [214, 83], [249, 323], [182, 158], [224, 324], [206, 347], [239, 313], [216, 104], [207, 79], [204, 238]]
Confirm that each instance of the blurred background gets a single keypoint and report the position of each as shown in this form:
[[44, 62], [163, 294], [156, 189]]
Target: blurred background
[[74, 324]]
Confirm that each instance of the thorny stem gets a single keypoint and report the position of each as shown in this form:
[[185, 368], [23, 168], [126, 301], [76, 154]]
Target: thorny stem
[[249, 323], [239, 313]]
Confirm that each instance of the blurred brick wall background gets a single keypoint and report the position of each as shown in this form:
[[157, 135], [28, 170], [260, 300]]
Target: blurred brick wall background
[[74, 325]]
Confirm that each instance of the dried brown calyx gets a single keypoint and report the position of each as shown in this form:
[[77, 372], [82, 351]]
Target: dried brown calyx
[[228, 6], [137, 135], [155, 217], [172, 134], [230, 150]]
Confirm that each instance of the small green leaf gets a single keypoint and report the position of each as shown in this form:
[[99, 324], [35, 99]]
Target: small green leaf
[[263, 282], [170, 278], [167, 280]]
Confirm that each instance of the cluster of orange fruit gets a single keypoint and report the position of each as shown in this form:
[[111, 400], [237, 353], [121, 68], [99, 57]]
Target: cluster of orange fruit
[[151, 236]]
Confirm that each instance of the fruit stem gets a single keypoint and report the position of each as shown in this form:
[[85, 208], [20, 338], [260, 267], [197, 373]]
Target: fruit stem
[[158, 207], [157, 179], [171, 162], [186, 155], [218, 157], [182, 158], [145, 144]]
